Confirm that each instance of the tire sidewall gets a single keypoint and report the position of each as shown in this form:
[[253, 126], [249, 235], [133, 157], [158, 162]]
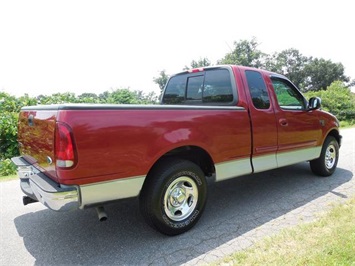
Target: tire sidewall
[[176, 227], [330, 141]]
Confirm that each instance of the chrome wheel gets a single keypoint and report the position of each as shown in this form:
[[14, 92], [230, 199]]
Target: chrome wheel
[[173, 196], [180, 198], [327, 162], [330, 156]]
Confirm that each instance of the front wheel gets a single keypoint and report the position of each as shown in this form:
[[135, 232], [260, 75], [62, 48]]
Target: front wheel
[[173, 197], [326, 164]]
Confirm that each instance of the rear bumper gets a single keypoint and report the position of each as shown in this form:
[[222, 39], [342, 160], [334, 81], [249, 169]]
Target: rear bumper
[[38, 186]]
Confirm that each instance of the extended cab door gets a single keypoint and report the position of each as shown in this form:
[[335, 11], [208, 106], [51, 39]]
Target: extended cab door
[[263, 121], [299, 130]]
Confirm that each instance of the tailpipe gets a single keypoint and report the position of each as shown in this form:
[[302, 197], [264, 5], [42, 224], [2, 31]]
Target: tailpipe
[[27, 200], [101, 213]]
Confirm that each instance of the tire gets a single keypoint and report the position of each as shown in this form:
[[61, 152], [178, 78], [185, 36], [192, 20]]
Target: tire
[[326, 164], [173, 196]]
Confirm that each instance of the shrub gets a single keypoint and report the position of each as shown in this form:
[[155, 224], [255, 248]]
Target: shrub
[[7, 168], [338, 100], [8, 135]]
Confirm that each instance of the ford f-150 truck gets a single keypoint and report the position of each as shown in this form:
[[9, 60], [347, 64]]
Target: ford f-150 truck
[[212, 124]]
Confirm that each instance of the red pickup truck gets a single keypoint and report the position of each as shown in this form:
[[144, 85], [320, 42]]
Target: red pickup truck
[[213, 123]]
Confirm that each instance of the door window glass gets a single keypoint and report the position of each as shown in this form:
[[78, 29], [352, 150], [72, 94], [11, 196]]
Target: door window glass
[[258, 90], [288, 97]]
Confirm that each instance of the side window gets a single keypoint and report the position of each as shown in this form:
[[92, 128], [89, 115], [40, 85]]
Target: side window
[[175, 90], [288, 97], [258, 90], [217, 87]]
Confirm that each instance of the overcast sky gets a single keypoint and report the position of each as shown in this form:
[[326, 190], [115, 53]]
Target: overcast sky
[[93, 46]]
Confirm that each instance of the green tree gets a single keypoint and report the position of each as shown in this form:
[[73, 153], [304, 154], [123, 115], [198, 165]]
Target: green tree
[[290, 63], [127, 96], [88, 98], [202, 62], [143, 98], [245, 53], [9, 103], [161, 80], [320, 73], [57, 98]]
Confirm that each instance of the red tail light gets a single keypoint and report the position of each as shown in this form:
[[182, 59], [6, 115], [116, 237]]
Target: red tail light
[[64, 146]]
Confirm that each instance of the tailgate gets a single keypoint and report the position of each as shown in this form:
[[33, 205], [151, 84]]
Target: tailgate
[[36, 131]]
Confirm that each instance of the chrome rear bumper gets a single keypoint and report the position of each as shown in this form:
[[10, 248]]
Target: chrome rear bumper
[[38, 186]]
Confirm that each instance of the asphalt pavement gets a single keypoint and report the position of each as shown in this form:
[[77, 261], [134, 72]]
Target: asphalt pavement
[[239, 212]]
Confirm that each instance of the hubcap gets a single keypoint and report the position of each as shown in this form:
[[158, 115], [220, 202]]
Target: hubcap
[[180, 198], [330, 156]]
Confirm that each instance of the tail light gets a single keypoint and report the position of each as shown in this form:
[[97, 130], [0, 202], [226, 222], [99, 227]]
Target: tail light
[[64, 146]]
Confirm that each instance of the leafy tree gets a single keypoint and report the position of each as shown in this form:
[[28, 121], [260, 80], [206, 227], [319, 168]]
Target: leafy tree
[[320, 73], [245, 53], [103, 97], [57, 98], [290, 63], [202, 62], [161, 80], [150, 98], [9, 103], [126, 96], [88, 98]]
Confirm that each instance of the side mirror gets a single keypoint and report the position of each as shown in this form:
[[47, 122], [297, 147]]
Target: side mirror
[[314, 103]]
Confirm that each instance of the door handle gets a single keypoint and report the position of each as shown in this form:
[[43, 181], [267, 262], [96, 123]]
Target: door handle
[[283, 122]]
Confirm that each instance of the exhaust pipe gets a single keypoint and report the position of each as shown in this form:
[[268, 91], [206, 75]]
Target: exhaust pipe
[[27, 200], [101, 213]]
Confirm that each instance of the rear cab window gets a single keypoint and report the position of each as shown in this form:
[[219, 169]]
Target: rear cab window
[[210, 86]]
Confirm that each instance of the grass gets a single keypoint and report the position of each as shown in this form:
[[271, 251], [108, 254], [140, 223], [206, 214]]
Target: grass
[[346, 124], [7, 178], [328, 241]]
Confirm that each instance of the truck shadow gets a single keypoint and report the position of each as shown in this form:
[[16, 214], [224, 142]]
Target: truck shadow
[[234, 208]]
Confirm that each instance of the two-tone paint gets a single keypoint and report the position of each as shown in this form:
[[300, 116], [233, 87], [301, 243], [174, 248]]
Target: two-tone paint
[[117, 145]]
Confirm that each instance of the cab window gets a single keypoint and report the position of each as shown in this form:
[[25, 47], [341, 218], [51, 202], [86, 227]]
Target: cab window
[[288, 96], [258, 90]]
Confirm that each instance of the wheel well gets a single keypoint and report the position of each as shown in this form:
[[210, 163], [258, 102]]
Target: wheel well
[[194, 154], [335, 134]]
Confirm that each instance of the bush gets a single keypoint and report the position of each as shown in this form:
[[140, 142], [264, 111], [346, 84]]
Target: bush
[[338, 100], [8, 135], [7, 168]]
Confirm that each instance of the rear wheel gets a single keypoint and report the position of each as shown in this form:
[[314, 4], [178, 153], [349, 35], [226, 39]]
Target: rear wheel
[[326, 164], [173, 197]]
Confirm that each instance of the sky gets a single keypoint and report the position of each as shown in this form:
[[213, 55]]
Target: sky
[[94, 46]]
